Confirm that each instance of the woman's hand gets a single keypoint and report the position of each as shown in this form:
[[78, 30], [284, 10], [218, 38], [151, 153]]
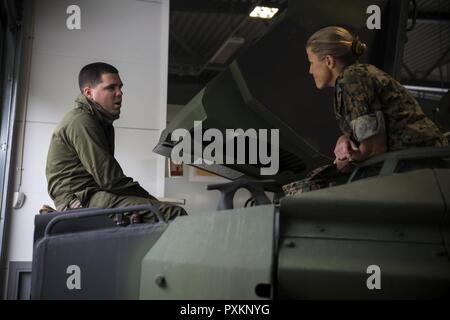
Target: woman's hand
[[346, 150], [370, 147], [345, 147], [344, 166]]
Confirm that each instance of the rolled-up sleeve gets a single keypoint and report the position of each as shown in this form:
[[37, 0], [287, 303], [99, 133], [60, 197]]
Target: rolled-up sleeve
[[361, 110], [368, 125]]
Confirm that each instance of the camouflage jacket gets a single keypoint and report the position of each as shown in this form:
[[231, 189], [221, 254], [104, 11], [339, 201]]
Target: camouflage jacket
[[81, 161], [367, 102]]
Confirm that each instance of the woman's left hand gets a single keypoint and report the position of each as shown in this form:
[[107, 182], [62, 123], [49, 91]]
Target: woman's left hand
[[344, 166], [344, 148]]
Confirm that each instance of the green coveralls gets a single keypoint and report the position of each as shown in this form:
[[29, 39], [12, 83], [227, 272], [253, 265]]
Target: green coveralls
[[81, 165]]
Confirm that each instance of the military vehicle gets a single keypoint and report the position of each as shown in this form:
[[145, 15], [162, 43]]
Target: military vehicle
[[381, 232]]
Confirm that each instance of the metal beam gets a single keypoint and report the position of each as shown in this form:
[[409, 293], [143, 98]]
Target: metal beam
[[408, 71], [193, 69], [433, 17], [425, 83], [211, 6], [186, 47], [436, 64], [10, 10]]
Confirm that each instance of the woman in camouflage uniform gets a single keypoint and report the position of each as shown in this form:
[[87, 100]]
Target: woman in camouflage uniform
[[375, 112]]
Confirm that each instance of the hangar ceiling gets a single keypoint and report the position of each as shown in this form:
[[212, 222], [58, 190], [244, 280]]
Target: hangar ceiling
[[205, 35], [426, 59]]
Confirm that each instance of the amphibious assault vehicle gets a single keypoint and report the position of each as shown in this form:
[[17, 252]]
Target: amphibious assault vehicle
[[382, 232]]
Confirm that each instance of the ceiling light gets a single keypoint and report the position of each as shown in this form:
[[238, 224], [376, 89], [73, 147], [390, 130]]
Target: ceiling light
[[263, 12]]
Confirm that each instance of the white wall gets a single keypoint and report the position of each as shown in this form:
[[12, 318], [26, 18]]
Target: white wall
[[131, 35]]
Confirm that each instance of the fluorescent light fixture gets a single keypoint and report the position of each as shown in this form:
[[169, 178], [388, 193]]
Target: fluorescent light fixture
[[263, 12]]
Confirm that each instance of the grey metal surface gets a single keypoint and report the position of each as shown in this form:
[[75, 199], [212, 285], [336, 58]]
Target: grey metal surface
[[443, 178], [108, 260], [86, 213], [10, 56], [337, 269], [216, 255], [19, 280], [407, 199], [329, 237]]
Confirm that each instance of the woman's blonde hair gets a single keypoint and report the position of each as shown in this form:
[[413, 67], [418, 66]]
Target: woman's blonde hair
[[336, 42]]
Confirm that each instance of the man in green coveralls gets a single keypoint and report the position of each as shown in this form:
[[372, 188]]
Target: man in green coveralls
[[81, 169]]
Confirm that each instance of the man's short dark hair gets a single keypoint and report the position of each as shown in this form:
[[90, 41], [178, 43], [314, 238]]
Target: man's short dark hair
[[91, 74]]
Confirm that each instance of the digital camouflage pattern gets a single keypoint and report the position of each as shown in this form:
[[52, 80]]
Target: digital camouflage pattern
[[301, 186], [367, 102], [81, 168], [316, 179]]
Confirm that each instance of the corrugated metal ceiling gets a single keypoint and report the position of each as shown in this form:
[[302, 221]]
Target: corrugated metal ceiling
[[426, 56], [199, 28], [433, 5]]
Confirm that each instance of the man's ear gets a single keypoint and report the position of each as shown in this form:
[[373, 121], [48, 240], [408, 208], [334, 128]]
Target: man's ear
[[330, 61], [87, 91]]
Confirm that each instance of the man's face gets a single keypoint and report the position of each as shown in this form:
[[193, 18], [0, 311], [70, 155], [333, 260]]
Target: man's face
[[319, 70], [108, 93]]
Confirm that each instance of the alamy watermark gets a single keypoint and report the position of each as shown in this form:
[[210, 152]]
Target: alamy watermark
[[374, 280], [73, 21], [374, 20], [74, 279], [235, 142]]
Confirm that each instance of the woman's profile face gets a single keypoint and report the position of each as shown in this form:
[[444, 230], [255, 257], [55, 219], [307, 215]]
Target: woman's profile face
[[319, 70]]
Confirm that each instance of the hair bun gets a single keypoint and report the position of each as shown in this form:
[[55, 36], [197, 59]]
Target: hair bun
[[358, 47]]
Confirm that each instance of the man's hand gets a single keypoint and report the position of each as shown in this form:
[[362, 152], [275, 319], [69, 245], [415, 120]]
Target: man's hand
[[345, 147]]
